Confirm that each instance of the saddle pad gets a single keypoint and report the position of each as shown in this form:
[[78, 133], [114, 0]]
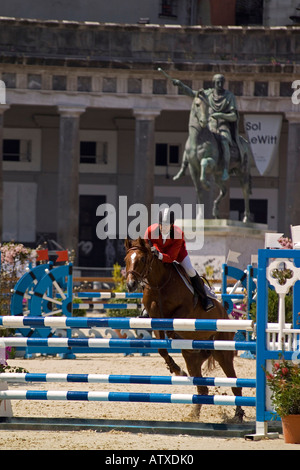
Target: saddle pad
[[209, 292], [187, 283]]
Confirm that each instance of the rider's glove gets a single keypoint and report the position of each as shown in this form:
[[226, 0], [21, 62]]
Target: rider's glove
[[157, 253]]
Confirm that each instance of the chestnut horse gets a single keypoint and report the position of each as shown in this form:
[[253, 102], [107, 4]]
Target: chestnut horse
[[166, 296]]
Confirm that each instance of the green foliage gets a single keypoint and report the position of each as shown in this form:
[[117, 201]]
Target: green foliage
[[78, 312], [120, 286], [284, 382], [273, 302], [119, 279], [12, 369]]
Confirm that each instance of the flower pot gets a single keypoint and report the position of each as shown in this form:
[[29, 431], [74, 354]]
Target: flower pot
[[291, 429]]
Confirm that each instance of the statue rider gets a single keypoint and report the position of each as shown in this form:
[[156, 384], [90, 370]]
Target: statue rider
[[223, 119]]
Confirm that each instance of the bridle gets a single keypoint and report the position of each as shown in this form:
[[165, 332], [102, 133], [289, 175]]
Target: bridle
[[142, 278], [200, 119]]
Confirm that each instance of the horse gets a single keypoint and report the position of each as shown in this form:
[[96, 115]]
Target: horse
[[209, 161], [165, 295]]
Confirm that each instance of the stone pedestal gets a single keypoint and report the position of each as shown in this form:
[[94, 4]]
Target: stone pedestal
[[220, 237]]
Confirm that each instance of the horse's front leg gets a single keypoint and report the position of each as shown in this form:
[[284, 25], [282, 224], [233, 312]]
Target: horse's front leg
[[170, 363], [154, 312], [203, 176]]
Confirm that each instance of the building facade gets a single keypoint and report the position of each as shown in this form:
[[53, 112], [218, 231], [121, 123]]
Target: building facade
[[88, 118], [174, 12]]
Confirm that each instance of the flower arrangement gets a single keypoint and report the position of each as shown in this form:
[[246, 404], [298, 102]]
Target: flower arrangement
[[14, 257], [284, 383], [286, 243], [239, 311]]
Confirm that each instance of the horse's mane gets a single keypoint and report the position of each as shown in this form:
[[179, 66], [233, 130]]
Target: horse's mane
[[145, 246], [141, 243]]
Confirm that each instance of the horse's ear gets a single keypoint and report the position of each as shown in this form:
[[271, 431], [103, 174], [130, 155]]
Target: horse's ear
[[127, 244], [141, 241], [202, 96]]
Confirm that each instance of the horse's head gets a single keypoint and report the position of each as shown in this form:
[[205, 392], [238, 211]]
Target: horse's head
[[201, 108], [137, 260]]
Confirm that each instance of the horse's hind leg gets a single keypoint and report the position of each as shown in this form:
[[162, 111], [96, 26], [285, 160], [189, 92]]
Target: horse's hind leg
[[195, 175], [225, 359], [244, 178], [222, 194]]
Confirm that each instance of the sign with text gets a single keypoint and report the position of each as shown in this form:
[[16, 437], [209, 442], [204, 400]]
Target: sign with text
[[263, 133]]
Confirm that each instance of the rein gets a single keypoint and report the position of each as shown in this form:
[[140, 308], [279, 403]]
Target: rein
[[142, 277]]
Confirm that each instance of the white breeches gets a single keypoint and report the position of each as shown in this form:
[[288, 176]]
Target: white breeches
[[187, 265]]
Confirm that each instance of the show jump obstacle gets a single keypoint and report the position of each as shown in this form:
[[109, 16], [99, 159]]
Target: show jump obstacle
[[46, 290], [272, 341]]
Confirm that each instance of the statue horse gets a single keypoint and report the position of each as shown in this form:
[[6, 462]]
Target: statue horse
[[166, 296], [209, 161]]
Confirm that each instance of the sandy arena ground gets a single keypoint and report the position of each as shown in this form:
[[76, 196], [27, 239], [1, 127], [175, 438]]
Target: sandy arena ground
[[115, 440]]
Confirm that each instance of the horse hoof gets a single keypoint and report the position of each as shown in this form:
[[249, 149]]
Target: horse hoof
[[193, 416], [180, 373], [235, 420], [178, 175], [238, 417]]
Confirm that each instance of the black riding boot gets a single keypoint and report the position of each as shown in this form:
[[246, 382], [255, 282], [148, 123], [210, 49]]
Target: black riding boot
[[199, 288]]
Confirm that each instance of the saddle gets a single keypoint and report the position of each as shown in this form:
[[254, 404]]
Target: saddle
[[186, 279]]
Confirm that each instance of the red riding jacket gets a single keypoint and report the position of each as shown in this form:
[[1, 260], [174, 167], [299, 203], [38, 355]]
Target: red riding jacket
[[173, 248]]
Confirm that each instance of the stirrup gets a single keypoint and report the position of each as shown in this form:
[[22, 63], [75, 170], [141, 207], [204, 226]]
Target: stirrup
[[210, 304]]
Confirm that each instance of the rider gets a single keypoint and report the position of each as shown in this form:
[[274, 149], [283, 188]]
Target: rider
[[168, 245]]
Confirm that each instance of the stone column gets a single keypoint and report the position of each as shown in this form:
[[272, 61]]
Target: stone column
[[292, 192], [3, 108], [144, 160], [68, 177]]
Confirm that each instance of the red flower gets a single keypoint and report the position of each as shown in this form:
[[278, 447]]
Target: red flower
[[284, 371]]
